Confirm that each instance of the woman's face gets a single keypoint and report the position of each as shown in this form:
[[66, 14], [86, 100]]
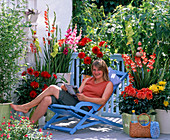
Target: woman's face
[[97, 73]]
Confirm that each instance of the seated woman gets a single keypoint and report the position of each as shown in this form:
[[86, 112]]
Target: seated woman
[[96, 89]]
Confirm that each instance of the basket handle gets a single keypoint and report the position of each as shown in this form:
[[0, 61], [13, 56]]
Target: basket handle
[[146, 115]]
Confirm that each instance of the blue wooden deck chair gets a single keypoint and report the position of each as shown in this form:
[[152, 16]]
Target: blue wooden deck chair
[[63, 112]]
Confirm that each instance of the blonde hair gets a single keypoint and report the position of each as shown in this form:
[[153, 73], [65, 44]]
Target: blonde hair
[[101, 65]]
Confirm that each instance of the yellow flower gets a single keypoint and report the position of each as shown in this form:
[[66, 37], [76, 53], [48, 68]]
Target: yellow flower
[[162, 83], [154, 88], [166, 103], [161, 88]]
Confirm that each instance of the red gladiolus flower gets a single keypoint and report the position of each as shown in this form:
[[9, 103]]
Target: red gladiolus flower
[[40, 130], [60, 42], [95, 49], [30, 71], [26, 136], [55, 76], [36, 73], [101, 43], [33, 94], [34, 84], [106, 46], [24, 73], [81, 55], [139, 43], [99, 54], [65, 51], [87, 60]]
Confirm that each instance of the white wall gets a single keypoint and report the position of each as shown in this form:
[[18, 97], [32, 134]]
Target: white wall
[[63, 9]]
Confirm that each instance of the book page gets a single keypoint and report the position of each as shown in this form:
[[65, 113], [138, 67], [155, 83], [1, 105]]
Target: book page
[[70, 89]]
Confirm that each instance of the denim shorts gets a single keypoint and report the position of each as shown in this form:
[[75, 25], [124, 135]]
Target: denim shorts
[[66, 98]]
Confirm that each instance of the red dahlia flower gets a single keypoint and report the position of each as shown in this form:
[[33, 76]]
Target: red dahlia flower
[[34, 84], [81, 55], [24, 73], [95, 49], [33, 94], [102, 43], [36, 73], [87, 60], [99, 54], [30, 71], [55, 76]]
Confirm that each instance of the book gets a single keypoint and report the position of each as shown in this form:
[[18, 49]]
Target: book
[[71, 89]]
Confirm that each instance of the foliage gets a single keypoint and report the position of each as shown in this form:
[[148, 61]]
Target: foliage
[[110, 5], [161, 92], [134, 99], [90, 13], [12, 45], [90, 51], [32, 84], [19, 128], [86, 15], [143, 70], [148, 23]]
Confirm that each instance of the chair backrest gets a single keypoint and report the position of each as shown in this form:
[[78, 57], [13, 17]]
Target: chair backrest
[[109, 108], [119, 77]]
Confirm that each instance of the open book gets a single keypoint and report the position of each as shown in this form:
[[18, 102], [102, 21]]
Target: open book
[[71, 89]]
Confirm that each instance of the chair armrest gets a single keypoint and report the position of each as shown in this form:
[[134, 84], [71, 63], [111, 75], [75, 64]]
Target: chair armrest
[[81, 104]]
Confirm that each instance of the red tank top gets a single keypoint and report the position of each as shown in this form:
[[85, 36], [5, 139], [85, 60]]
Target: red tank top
[[94, 90]]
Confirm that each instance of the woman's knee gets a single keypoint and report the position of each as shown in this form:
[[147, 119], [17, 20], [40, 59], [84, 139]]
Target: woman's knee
[[47, 100], [54, 88]]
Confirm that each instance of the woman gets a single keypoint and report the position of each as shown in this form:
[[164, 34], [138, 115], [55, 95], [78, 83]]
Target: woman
[[96, 89]]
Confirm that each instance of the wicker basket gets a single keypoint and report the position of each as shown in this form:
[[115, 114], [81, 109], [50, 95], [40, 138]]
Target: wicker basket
[[139, 131]]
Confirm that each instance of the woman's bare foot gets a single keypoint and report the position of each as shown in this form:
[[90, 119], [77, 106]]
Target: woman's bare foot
[[20, 108]]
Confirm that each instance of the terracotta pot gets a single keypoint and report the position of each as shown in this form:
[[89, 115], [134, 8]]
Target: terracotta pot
[[86, 76], [163, 117]]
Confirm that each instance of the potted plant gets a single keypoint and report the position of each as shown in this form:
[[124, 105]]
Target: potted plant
[[58, 52], [144, 71], [12, 46], [33, 82], [90, 51], [161, 103]]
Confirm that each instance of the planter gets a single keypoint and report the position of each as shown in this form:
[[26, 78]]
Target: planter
[[33, 17], [126, 118], [5, 109], [50, 114], [163, 117]]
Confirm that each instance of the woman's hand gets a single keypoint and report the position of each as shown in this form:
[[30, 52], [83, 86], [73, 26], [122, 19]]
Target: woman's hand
[[63, 87], [81, 96]]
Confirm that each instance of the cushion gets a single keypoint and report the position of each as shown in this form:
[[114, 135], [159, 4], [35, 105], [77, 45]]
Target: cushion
[[113, 77]]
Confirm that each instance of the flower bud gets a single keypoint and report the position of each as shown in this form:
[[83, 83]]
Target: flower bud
[[138, 54]]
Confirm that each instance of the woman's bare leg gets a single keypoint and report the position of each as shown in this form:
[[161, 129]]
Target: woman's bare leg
[[41, 109], [51, 90]]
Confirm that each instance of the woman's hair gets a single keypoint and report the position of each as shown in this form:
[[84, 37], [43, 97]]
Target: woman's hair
[[101, 65]]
